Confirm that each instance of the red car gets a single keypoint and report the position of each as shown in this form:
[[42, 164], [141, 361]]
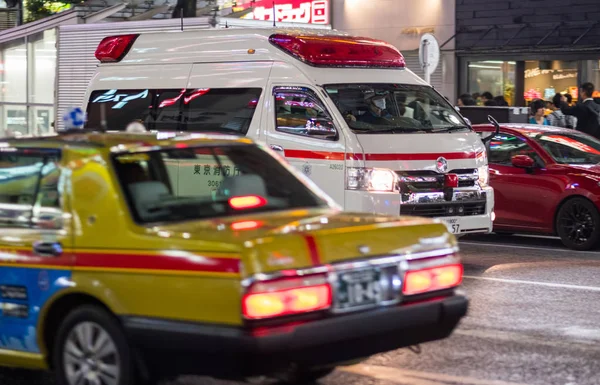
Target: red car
[[546, 181]]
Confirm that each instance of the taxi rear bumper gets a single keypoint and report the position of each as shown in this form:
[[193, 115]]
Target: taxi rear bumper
[[172, 348]]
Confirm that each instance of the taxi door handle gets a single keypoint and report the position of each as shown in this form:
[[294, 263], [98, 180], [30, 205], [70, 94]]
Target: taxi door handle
[[47, 249], [277, 147]]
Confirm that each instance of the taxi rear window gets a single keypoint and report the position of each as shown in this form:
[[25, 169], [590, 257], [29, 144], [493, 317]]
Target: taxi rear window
[[208, 182]]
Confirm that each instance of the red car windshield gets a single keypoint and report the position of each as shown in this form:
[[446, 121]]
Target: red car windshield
[[569, 148]]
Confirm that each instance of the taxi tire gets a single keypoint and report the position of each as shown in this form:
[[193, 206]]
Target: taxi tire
[[95, 314]]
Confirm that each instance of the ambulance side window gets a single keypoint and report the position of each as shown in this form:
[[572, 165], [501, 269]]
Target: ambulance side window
[[29, 191], [197, 110], [301, 113]]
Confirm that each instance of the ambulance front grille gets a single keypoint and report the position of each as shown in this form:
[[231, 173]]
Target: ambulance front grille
[[422, 180]]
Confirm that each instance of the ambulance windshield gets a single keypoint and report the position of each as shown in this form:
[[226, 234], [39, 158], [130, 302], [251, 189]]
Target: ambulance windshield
[[395, 108]]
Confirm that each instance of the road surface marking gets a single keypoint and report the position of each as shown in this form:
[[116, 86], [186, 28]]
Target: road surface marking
[[546, 284], [475, 243], [522, 338], [412, 377]]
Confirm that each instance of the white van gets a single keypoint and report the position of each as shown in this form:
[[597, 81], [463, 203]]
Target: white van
[[342, 109]]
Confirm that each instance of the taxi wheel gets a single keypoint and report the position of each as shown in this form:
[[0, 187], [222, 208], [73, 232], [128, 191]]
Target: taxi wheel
[[91, 349], [578, 224]]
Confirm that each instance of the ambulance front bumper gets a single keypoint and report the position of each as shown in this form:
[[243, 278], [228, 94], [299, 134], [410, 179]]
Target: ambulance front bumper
[[469, 211]]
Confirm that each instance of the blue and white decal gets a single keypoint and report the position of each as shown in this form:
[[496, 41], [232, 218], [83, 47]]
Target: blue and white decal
[[23, 293]]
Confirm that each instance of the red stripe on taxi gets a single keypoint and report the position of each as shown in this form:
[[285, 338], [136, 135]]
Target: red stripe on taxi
[[28, 257], [178, 261], [313, 251], [323, 155]]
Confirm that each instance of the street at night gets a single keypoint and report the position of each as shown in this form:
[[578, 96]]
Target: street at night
[[300, 192], [532, 320]]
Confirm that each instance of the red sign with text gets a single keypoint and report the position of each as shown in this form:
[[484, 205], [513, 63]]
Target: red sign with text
[[291, 11]]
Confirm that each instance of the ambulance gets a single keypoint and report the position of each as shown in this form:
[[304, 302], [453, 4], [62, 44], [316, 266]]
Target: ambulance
[[344, 110]]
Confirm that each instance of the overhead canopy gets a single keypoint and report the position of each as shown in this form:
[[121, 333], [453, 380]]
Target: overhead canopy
[[529, 38]]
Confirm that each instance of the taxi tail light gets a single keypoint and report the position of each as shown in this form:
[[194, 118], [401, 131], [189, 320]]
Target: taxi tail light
[[339, 51], [432, 279], [247, 202], [113, 49], [246, 225], [287, 296]]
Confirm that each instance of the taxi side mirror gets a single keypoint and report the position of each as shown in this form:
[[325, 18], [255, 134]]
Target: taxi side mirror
[[522, 161]]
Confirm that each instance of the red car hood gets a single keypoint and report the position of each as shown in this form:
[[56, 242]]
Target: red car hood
[[590, 168]]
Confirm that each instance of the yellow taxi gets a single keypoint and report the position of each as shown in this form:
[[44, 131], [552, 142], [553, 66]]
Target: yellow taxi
[[126, 258]]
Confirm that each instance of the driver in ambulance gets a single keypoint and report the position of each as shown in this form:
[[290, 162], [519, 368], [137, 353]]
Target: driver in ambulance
[[377, 112]]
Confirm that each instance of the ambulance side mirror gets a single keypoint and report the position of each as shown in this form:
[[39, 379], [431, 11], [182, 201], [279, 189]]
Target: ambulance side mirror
[[321, 127]]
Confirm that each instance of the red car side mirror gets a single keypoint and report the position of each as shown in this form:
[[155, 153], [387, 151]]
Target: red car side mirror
[[522, 161]]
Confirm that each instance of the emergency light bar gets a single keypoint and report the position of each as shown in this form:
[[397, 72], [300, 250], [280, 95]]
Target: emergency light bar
[[113, 49], [339, 51]]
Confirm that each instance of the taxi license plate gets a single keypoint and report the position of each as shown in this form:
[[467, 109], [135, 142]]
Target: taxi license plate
[[452, 225], [358, 288]]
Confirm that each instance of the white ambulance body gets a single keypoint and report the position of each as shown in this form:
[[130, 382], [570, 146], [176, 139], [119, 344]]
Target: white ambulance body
[[344, 110]]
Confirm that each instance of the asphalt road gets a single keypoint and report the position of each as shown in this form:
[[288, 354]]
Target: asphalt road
[[534, 319]]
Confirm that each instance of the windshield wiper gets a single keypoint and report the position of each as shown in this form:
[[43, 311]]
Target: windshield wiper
[[396, 130], [449, 129]]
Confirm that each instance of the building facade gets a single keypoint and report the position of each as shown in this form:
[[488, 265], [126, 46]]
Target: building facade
[[402, 23], [32, 100], [527, 49]]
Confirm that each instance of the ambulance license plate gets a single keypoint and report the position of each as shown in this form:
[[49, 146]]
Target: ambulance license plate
[[452, 224], [358, 288]]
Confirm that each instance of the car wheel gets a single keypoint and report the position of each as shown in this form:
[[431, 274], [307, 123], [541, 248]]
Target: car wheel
[[91, 349], [578, 224]]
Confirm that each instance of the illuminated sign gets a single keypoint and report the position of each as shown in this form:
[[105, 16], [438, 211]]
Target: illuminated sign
[[291, 11]]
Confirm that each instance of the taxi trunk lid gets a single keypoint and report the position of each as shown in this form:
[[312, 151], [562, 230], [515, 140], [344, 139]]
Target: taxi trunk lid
[[300, 239], [331, 238]]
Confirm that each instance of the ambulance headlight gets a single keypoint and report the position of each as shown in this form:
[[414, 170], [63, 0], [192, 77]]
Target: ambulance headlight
[[483, 174], [371, 179]]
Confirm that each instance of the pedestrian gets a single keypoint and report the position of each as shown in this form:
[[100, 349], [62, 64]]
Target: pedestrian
[[557, 118], [537, 112], [486, 96], [500, 101], [466, 100], [587, 111], [477, 98], [569, 99]]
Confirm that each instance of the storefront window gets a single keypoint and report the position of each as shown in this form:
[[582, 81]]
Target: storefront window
[[27, 76], [43, 68], [14, 73], [14, 120], [544, 79], [590, 72], [494, 76], [43, 117]]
